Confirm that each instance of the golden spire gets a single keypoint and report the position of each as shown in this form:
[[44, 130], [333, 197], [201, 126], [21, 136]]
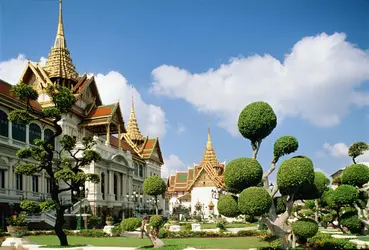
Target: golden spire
[[209, 155], [59, 63], [132, 128]]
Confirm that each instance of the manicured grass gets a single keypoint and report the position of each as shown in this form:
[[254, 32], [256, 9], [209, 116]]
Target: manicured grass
[[222, 243], [228, 225]]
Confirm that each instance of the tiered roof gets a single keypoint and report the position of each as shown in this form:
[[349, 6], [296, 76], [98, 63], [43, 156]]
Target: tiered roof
[[184, 181]]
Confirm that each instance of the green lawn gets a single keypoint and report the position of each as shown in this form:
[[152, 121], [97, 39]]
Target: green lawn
[[228, 225], [234, 243]]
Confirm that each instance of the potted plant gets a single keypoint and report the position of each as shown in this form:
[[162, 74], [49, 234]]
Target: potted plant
[[17, 225], [109, 220]]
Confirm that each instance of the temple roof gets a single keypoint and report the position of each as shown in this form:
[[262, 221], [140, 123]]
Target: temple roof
[[59, 62], [209, 154], [133, 130]]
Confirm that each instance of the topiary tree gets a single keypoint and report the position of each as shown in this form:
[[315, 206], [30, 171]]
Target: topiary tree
[[156, 221], [63, 165], [227, 206], [351, 220], [154, 186], [244, 176], [304, 229], [357, 149]]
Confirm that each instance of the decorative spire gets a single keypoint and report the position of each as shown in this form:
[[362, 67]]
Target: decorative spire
[[209, 155], [59, 63], [132, 128]]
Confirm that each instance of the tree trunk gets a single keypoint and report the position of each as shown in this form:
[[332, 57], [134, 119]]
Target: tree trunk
[[316, 211], [157, 243], [59, 226], [156, 205]]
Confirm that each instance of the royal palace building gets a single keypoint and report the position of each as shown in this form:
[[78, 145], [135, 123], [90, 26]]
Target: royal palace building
[[128, 157]]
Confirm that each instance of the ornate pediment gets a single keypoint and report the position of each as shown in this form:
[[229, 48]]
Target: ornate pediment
[[203, 180]]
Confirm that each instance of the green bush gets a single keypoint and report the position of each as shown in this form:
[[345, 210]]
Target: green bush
[[323, 241], [186, 227], [295, 173], [156, 221], [344, 195], [30, 206], [355, 175], [254, 201], [285, 145], [94, 220], [305, 228], [352, 222], [91, 233], [256, 121], [227, 206], [279, 205], [163, 233], [130, 224], [310, 204], [242, 173]]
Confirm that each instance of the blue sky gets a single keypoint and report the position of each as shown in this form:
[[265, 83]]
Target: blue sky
[[135, 38]]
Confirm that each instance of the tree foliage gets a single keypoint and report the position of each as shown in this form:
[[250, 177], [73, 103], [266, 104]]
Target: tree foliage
[[154, 186], [355, 175], [242, 173], [344, 195], [294, 174], [227, 206], [357, 149], [254, 201], [285, 145], [63, 164], [352, 222], [305, 228], [256, 121]]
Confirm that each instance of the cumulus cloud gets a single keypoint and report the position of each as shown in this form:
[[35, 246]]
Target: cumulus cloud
[[113, 87], [340, 150], [317, 81], [172, 163]]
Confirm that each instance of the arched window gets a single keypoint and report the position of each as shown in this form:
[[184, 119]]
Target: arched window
[[19, 132], [4, 128], [48, 134], [116, 187], [34, 132], [102, 183]]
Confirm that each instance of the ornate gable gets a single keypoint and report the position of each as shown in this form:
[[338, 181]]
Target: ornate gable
[[203, 180]]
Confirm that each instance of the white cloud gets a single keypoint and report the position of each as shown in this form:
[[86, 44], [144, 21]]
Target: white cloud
[[180, 128], [171, 164], [340, 150], [317, 82], [113, 87]]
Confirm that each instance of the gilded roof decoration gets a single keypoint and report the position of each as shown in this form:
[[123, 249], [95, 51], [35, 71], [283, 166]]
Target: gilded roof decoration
[[133, 130], [59, 62]]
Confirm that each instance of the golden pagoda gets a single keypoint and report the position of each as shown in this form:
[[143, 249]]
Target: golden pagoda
[[59, 66], [133, 130], [209, 154]]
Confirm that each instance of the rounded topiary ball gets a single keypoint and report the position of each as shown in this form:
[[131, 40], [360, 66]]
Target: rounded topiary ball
[[355, 175], [305, 228], [227, 206], [156, 221], [295, 173], [254, 201], [242, 173], [130, 224], [154, 185], [280, 207], [344, 195], [285, 145], [352, 222], [256, 121]]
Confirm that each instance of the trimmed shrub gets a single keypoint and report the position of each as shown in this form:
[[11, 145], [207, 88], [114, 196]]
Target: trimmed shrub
[[227, 206], [355, 175], [154, 186], [254, 201], [352, 222], [295, 173], [256, 121], [156, 221], [344, 195], [242, 173], [30, 206], [130, 224], [305, 228], [310, 204], [326, 241], [285, 145], [279, 205]]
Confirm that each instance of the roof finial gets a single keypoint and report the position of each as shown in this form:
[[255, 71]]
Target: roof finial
[[60, 38], [209, 154], [209, 144], [133, 101], [132, 127]]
